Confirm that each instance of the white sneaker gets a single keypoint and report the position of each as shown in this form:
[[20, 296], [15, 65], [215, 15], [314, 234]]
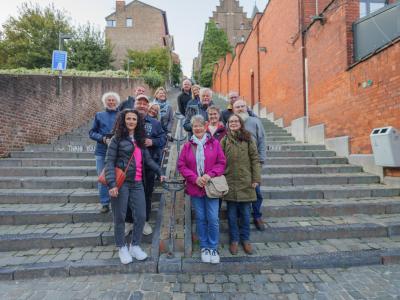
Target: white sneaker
[[205, 255], [137, 252], [124, 255], [128, 228], [147, 230], [214, 257]]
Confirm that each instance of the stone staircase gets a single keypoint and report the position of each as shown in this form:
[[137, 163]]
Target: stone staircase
[[319, 212], [49, 214]]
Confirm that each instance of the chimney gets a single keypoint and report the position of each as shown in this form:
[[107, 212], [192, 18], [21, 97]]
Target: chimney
[[119, 6]]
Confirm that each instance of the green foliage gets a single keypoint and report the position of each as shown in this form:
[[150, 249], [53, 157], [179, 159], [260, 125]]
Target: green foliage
[[153, 78], [88, 50], [30, 38], [215, 46], [155, 59], [68, 72], [176, 73]]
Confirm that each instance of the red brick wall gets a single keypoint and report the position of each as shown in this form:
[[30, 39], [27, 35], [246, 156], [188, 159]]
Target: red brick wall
[[224, 74], [33, 114]]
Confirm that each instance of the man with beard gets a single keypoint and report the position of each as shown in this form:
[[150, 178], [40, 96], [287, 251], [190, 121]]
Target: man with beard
[[185, 96], [155, 142], [255, 127], [198, 109]]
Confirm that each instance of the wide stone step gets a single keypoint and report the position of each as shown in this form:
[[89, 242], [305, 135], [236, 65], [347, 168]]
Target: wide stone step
[[305, 160], [310, 254], [45, 162], [329, 191], [76, 147], [279, 139], [318, 179], [317, 228], [60, 182], [77, 261], [308, 169], [301, 153], [47, 171], [300, 146], [58, 235], [21, 196], [51, 154], [277, 133]]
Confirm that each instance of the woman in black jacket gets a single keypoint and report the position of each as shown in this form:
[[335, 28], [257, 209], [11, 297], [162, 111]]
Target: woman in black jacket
[[128, 141]]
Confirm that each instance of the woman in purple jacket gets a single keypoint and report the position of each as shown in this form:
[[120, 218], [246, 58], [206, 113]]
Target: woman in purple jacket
[[202, 158]]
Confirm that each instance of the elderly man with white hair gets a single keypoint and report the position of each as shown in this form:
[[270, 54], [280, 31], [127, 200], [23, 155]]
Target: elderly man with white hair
[[256, 128], [101, 132]]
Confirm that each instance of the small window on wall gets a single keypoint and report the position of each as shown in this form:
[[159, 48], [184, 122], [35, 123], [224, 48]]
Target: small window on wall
[[129, 22], [369, 6], [241, 26], [242, 38], [217, 24], [111, 23]]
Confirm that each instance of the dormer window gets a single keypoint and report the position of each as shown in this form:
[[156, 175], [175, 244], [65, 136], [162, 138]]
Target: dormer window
[[129, 22]]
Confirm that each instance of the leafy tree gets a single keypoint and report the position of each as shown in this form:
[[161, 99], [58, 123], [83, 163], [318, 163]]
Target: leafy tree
[[89, 51], [30, 38], [176, 73], [215, 46], [156, 59], [153, 78]]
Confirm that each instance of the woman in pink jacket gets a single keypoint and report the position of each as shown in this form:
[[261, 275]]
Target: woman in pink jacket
[[202, 158]]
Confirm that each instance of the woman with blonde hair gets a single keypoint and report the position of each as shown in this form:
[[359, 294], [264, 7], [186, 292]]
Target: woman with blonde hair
[[101, 133], [154, 111], [166, 111]]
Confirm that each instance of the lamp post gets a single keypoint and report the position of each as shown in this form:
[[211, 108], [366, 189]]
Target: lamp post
[[61, 38]]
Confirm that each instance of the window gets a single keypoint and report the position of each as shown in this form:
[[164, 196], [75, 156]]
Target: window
[[111, 23], [217, 24], [129, 22], [242, 26], [369, 6], [242, 38]]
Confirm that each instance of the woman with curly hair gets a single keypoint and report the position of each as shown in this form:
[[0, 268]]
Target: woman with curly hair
[[126, 145]]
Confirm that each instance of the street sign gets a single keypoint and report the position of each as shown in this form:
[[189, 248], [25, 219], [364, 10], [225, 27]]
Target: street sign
[[59, 62]]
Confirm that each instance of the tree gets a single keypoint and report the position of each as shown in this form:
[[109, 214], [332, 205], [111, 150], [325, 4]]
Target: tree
[[156, 59], [176, 73], [88, 50], [30, 38], [215, 46]]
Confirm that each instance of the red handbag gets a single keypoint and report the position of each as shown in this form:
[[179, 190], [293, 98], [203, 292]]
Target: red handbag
[[120, 175]]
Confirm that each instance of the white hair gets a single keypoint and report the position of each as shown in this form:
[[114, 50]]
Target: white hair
[[205, 90], [197, 119], [110, 94]]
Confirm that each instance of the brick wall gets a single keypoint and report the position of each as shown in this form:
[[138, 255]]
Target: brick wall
[[33, 114]]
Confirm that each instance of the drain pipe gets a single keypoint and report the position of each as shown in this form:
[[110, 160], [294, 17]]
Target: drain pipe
[[303, 57]]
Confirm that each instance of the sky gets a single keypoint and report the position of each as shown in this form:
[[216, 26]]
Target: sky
[[186, 18]]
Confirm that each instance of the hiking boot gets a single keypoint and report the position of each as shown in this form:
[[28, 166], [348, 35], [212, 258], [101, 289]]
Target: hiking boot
[[233, 248], [259, 224], [247, 247], [105, 209]]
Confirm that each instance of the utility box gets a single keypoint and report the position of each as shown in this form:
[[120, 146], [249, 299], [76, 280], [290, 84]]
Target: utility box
[[386, 146]]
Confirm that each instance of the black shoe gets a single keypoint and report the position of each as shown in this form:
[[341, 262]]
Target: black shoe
[[259, 224], [105, 209]]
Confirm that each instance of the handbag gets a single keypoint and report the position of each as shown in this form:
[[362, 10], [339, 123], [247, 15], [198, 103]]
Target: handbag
[[217, 186], [120, 175]]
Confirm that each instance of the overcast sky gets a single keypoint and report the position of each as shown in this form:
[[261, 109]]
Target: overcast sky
[[186, 18]]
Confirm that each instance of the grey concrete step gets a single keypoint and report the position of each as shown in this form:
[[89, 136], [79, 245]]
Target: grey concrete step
[[47, 171], [76, 147], [301, 153], [53, 182], [309, 169], [300, 146], [51, 154], [305, 160], [66, 262], [58, 235], [33, 196], [279, 139], [277, 133], [318, 179], [74, 139], [311, 254], [329, 191], [46, 162]]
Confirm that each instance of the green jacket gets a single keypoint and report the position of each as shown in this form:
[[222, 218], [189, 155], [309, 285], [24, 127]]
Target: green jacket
[[242, 169]]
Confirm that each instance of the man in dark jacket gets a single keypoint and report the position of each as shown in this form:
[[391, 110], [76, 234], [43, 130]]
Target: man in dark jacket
[[185, 96], [233, 97], [198, 109], [130, 102], [155, 142]]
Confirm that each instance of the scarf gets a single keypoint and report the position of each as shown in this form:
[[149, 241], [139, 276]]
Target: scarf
[[164, 106], [200, 153]]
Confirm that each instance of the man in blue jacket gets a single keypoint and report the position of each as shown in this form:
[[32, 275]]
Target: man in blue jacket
[[155, 142]]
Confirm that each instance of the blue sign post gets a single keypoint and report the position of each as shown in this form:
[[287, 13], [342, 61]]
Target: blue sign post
[[59, 63]]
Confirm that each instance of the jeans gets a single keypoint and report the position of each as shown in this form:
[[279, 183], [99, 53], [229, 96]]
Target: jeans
[[132, 196], [149, 189], [103, 190], [239, 212], [257, 205], [207, 221]]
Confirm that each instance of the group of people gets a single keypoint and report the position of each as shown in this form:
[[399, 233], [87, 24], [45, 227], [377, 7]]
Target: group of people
[[230, 143], [131, 136]]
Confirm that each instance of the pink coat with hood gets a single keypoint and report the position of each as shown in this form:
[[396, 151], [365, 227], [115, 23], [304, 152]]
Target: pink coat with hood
[[214, 164]]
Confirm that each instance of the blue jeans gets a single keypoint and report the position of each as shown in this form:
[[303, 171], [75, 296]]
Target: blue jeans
[[103, 190], [239, 212], [207, 221], [257, 205]]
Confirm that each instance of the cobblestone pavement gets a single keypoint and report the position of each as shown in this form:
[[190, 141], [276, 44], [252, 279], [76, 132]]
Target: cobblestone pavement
[[373, 282]]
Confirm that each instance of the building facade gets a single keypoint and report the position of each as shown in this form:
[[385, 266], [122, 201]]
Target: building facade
[[136, 26]]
